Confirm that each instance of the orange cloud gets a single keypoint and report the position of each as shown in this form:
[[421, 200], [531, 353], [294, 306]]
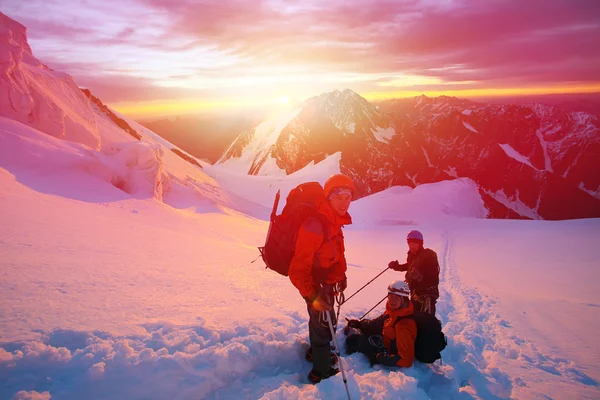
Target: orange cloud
[[236, 49]]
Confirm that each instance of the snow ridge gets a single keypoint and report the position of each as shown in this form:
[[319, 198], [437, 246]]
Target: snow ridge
[[512, 153], [469, 127]]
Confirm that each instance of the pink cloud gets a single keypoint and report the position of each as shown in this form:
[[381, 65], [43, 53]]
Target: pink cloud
[[118, 88], [488, 38], [495, 43], [42, 28]]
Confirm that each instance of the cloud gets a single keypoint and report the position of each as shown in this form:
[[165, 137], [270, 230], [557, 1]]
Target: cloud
[[165, 49], [42, 28], [491, 40], [118, 85], [125, 88], [32, 395]]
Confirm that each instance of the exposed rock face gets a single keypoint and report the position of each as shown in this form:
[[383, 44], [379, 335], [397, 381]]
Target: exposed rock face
[[529, 161]]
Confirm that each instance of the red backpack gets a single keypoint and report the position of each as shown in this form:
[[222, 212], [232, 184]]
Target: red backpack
[[301, 203]]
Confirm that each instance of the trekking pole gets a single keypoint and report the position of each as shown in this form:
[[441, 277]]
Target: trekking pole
[[337, 351], [366, 284], [365, 314]]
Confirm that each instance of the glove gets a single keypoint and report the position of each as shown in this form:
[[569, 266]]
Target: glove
[[353, 323], [320, 304], [395, 265]]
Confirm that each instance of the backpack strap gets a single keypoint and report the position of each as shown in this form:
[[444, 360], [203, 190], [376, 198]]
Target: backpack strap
[[412, 316], [321, 218]]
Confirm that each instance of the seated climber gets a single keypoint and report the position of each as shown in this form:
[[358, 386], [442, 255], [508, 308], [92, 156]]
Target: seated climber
[[390, 338]]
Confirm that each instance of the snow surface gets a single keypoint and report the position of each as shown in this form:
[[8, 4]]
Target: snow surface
[[262, 189], [469, 127], [512, 153], [547, 128], [384, 134], [412, 178], [595, 193], [467, 112], [426, 156], [263, 139], [514, 203], [351, 127], [451, 171]]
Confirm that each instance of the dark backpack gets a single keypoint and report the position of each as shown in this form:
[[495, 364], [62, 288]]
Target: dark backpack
[[430, 338], [301, 203]]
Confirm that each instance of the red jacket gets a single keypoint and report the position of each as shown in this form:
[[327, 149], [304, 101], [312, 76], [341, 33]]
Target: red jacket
[[399, 335], [319, 253]]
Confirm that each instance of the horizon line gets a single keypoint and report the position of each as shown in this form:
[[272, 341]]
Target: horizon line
[[178, 106]]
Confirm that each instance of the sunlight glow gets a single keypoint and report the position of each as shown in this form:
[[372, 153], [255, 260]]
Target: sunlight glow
[[283, 100], [485, 92], [245, 101]]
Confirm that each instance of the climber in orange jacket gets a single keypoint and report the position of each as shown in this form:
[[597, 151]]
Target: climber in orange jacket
[[390, 338], [318, 269]]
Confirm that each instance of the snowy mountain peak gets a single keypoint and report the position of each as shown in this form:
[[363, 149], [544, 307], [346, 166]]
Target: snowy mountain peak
[[338, 99], [546, 153], [13, 44], [82, 149], [344, 109], [33, 94], [319, 124]]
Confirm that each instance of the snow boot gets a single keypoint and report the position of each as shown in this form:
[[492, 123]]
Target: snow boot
[[333, 360], [315, 377]]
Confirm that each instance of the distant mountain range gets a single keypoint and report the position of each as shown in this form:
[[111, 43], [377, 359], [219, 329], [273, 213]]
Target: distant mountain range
[[529, 161]]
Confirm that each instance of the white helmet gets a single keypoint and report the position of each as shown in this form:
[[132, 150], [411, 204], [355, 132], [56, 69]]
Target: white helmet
[[399, 288]]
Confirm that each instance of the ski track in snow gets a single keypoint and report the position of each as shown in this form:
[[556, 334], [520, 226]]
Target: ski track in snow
[[481, 343], [467, 337]]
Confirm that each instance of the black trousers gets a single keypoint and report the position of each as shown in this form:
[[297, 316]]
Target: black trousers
[[320, 335], [368, 345]]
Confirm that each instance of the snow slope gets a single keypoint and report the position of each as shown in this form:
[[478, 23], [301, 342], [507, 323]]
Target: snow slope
[[47, 100], [107, 294], [512, 153], [260, 145], [469, 127]]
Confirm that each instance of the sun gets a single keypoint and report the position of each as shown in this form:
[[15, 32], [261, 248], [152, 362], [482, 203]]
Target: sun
[[283, 100]]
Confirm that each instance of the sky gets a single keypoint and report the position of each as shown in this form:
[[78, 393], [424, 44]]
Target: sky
[[152, 56]]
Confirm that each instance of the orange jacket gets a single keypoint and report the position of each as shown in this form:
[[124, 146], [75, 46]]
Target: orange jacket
[[403, 332], [319, 254]]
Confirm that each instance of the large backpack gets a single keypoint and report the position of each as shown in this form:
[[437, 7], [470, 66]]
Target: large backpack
[[430, 338], [280, 244]]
